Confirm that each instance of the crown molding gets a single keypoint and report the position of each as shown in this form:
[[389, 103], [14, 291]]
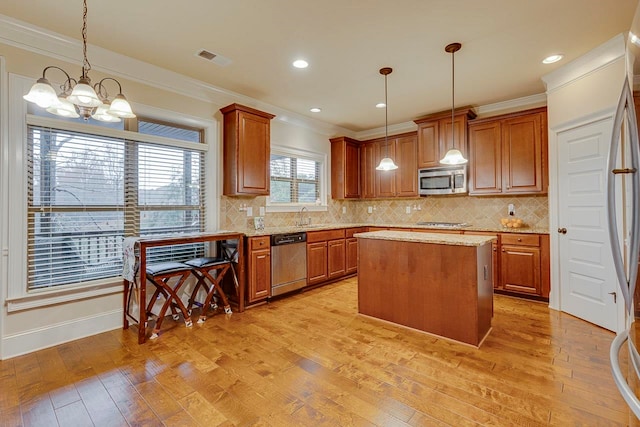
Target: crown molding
[[523, 103], [38, 40], [392, 130], [597, 58]]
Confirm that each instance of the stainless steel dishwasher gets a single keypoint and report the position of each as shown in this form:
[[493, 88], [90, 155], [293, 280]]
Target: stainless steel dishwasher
[[288, 262]]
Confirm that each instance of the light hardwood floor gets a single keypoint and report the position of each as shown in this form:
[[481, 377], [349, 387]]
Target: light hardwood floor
[[310, 360]]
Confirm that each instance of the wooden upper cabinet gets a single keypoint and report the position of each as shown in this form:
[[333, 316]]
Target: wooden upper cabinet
[[434, 135], [345, 168], [407, 172], [246, 150], [368, 170], [385, 180], [508, 154]]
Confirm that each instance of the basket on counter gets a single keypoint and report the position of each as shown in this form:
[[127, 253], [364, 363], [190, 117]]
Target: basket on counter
[[512, 223]]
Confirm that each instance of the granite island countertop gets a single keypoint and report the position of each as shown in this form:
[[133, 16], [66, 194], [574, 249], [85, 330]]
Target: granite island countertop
[[422, 237]]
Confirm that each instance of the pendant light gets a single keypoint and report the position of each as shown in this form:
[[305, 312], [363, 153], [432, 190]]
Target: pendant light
[[77, 97], [386, 164], [453, 156]]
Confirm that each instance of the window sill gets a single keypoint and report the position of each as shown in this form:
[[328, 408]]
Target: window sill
[[36, 299], [296, 208]]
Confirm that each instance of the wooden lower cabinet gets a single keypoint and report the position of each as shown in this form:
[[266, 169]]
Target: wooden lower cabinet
[[258, 268], [336, 256], [524, 264], [317, 263], [351, 260]]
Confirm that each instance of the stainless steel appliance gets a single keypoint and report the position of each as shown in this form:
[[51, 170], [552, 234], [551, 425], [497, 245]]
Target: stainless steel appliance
[[624, 175], [443, 180], [288, 262]]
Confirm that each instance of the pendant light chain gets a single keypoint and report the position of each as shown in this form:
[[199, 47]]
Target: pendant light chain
[[453, 91], [386, 119], [86, 66]]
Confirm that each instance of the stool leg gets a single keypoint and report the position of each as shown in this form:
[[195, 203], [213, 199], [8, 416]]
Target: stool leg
[[196, 289], [171, 295], [216, 286]]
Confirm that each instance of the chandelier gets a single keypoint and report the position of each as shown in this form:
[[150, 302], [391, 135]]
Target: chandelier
[[386, 164], [453, 156], [78, 98]]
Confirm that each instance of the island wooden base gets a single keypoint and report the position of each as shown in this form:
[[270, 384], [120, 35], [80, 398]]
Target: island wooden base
[[441, 289]]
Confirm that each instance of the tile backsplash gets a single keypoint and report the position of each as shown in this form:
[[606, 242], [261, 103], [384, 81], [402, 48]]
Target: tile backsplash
[[533, 210]]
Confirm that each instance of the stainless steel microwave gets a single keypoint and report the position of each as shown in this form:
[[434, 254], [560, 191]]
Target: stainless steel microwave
[[443, 180]]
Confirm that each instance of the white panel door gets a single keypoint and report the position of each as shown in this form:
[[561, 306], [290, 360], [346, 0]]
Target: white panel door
[[586, 265]]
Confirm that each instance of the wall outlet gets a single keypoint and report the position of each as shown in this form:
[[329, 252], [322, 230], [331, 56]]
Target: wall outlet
[[408, 209], [369, 209], [511, 209], [249, 211], [261, 210], [344, 209]]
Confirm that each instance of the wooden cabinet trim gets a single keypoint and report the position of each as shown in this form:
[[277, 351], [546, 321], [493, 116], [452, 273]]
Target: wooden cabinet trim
[[257, 243], [320, 236], [520, 239]]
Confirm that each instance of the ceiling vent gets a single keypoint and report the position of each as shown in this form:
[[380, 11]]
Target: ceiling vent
[[213, 57]]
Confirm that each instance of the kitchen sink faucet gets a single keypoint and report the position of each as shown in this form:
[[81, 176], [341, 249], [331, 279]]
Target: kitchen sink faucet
[[302, 222]]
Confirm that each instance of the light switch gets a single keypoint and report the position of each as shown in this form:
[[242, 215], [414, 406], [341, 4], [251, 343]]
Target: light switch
[[261, 210], [249, 211], [408, 209], [344, 209], [369, 209]]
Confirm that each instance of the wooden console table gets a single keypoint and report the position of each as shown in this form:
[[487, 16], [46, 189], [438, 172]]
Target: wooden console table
[[145, 243]]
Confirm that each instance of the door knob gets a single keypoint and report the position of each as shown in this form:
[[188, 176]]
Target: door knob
[[562, 230]]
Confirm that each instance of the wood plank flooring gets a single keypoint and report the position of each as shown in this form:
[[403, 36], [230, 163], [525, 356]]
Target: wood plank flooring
[[311, 360]]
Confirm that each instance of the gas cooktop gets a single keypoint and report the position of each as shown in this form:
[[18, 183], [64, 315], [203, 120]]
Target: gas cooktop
[[444, 224]]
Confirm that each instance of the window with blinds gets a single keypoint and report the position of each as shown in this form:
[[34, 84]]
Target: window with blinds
[[294, 180], [88, 191]]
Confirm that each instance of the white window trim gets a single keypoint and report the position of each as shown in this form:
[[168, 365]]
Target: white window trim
[[308, 155], [17, 296]]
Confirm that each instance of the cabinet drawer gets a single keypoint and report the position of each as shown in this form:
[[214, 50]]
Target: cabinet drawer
[[320, 236], [256, 243], [520, 239], [351, 231]]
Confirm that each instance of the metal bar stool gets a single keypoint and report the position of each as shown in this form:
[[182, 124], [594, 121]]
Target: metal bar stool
[[160, 274], [203, 268]]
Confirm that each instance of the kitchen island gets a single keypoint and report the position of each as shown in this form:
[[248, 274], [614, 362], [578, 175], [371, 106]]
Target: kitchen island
[[437, 283]]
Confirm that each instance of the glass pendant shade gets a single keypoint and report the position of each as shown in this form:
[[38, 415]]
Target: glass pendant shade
[[120, 107], [63, 108], [386, 164], [84, 95], [102, 114], [453, 157], [42, 94]]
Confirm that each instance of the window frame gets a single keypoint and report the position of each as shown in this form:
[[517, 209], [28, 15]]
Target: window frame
[[18, 297], [321, 158]]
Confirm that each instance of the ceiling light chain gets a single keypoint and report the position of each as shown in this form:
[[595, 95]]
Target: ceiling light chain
[[386, 164], [77, 97]]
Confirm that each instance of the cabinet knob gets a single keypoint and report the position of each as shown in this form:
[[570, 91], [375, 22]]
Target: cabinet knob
[[519, 239], [562, 230]]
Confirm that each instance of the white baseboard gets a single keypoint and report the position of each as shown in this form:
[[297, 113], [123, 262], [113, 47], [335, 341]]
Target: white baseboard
[[59, 333]]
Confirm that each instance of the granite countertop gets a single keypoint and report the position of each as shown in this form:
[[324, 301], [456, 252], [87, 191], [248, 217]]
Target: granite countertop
[[486, 227], [421, 237]]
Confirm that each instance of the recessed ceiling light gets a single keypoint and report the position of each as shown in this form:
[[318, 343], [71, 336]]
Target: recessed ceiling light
[[552, 58], [300, 63], [381, 105], [315, 110]]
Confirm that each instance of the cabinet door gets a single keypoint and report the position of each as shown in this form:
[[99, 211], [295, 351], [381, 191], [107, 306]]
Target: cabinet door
[[336, 258], [523, 154], [317, 262], [485, 158], [352, 171], [259, 275], [253, 154], [352, 255], [368, 170], [429, 144], [385, 180], [458, 139], [345, 168], [520, 267], [407, 172]]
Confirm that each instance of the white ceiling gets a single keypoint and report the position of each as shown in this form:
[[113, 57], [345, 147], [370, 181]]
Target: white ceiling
[[346, 42]]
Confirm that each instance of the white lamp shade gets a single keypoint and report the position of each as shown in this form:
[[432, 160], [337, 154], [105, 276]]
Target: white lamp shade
[[84, 96], [120, 107], [453, 157], [63, 108], [42, 94], [386, 164], [103, 115]]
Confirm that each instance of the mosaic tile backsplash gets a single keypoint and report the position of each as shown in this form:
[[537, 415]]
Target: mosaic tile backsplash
[[487, 211]]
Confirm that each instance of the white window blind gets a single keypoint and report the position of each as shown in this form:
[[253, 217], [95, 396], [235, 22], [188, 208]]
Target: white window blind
[[294, 180], [87, 191]]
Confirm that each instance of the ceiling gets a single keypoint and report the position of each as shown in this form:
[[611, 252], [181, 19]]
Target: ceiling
[[346, 42]]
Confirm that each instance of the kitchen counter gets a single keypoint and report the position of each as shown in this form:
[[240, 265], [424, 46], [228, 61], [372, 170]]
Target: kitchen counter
[[486, 227], [421, 237], [436, 283]]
